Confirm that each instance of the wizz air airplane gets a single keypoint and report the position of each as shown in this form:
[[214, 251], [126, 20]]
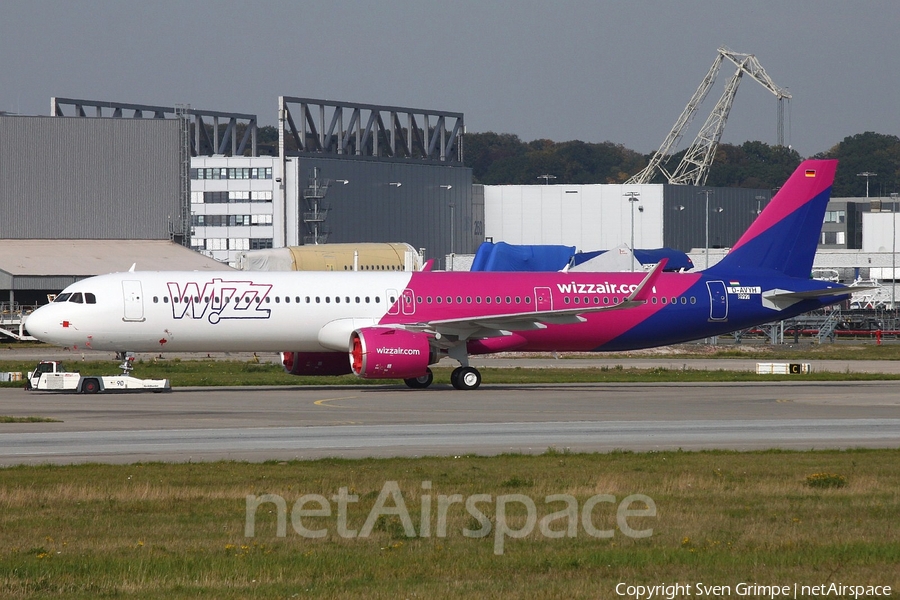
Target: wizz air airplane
[[393, 325]]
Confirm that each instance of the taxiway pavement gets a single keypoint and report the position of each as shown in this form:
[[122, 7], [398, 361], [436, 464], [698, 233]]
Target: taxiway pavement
[[261, 423]]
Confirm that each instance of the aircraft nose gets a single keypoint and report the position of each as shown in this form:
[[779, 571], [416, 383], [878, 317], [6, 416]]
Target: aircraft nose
[[40, 323]]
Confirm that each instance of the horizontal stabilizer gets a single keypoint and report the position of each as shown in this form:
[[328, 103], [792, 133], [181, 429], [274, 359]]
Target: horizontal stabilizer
[[781, 299]]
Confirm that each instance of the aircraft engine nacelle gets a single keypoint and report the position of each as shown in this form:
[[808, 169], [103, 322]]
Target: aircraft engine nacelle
[[385, 353], [315, 363]]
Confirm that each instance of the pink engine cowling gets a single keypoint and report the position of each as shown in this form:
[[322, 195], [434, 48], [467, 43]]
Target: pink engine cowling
[[385, 353]]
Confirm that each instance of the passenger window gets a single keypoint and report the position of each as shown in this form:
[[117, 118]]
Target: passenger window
[[165, 299], [155, 299]]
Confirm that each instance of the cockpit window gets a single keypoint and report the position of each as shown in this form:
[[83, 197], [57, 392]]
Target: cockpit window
[[76, 298], [62, 297], [89, 298]]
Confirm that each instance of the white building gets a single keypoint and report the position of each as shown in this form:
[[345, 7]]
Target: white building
[[589, 217], [233, 207]]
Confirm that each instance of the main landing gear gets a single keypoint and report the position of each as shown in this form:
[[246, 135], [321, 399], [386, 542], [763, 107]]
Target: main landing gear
[[463, 377], [418, 383]]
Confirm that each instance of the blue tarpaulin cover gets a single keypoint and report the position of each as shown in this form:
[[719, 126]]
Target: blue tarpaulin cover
[[507, 257]]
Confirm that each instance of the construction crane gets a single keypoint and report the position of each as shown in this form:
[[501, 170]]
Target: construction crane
[[694, 167]]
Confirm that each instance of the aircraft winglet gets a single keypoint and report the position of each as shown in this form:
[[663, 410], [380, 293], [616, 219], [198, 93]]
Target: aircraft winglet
[[638, 295]]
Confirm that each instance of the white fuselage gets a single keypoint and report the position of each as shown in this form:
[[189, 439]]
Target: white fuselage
[[193, 311]]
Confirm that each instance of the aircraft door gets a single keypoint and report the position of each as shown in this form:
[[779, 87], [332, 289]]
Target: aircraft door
[[718, 300], [408, 302], [542, 299], [134, 301]]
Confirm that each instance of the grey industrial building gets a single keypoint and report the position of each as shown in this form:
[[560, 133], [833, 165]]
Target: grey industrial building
[[104, 171], [89, 178]]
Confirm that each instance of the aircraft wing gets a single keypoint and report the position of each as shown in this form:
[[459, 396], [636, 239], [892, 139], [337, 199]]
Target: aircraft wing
[[499, 325]]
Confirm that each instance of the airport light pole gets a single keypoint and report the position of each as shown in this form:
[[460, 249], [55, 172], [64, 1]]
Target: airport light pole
[[452, 206], [632, 198], [706, 247], [894, 250], [867, 174], [546, 178], [759, 201]]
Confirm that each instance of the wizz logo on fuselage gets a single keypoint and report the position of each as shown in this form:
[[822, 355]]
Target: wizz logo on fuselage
[[219, 299]]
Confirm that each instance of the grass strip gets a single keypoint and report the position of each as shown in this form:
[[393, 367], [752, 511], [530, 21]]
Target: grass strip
[[8, 419], [178, 530]]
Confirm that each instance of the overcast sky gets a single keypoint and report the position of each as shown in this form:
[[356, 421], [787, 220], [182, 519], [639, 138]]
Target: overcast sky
[[594, 70]]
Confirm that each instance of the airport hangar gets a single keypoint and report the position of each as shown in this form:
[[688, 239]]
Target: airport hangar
[[79, 184]]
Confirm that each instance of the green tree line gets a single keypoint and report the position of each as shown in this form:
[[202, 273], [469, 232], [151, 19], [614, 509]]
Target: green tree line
[[503, 159]]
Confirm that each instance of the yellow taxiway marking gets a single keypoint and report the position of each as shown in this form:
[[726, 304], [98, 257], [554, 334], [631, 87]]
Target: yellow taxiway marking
[[324, 400], [783, 401]]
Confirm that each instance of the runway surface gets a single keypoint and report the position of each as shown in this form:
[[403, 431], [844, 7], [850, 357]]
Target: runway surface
[[292, 422]]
